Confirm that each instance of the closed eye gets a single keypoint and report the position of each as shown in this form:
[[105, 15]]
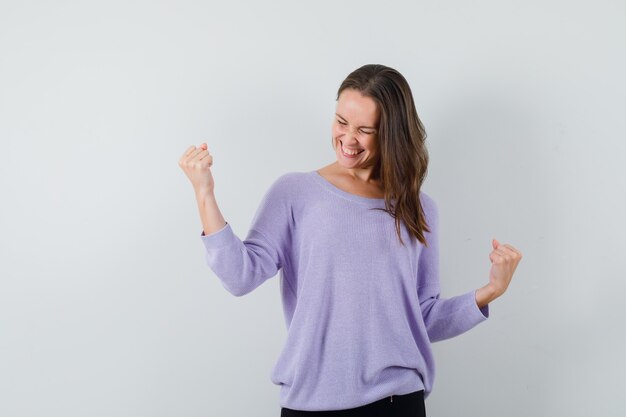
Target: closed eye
[[363, 131]]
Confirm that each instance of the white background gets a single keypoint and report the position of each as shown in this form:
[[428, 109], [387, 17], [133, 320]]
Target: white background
[[106, 305]]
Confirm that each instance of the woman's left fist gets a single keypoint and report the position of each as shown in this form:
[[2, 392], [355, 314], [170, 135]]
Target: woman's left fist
[[504, 259]]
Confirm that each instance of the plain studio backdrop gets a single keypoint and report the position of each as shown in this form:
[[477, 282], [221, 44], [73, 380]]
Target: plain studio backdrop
[[106, 305]]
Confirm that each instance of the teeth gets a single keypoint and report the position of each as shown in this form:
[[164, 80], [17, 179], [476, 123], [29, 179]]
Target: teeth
[[350, 152]]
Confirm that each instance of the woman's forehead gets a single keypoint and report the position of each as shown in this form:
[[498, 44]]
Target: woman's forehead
[[357, 108]]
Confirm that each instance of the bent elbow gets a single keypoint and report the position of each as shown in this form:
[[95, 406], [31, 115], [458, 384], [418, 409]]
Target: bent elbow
[[237, 289]]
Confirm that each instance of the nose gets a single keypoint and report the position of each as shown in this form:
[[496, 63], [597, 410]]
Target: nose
[[349, 136]]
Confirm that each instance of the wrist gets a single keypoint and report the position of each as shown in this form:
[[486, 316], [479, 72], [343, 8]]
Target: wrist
[[205, 195], [485, 295]]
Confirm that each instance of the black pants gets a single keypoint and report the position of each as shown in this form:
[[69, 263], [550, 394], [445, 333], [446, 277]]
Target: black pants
[[407, 405]]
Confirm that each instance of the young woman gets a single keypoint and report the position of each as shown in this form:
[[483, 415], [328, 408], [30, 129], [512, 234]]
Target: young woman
[[356, 244]]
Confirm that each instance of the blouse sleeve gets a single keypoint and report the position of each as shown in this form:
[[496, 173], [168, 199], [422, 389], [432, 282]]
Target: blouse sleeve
[[243, 265], [444, 317]]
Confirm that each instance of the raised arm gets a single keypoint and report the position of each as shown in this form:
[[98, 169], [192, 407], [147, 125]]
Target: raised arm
[[444, 317], [244, 265], [196, 164], [241, 265]]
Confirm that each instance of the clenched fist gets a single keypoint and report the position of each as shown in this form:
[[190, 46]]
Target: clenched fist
[[196, 163], [504, 260]]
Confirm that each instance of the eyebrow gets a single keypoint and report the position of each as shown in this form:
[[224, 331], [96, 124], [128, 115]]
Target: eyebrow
[[367, 127]]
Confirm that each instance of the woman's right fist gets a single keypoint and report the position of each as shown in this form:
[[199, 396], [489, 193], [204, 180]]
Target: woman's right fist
[[196, 163]]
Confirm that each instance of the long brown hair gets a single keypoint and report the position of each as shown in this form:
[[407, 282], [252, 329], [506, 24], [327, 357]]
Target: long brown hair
[[403, 161]]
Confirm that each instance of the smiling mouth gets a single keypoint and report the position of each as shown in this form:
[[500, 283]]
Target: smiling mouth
[[349, 154]]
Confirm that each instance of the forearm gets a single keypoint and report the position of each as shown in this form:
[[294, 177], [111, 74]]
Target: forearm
[[445, 318], [210, 215]]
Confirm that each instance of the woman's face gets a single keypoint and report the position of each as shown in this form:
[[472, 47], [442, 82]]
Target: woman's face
[[355, 129]]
